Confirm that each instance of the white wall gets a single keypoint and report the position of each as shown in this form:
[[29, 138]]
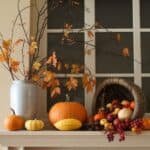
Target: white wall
[[8, 11]]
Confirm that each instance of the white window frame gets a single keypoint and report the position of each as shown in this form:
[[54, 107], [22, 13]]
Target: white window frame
[[90, 60]]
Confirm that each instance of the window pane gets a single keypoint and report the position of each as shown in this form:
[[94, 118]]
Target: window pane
[[114, 13], [68, 12], [145, 13], [77, 95], [68, 53], [145, 46], [109, 58], [146, 90]]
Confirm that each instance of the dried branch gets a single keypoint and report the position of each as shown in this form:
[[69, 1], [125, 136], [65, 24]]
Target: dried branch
[[21, 21]]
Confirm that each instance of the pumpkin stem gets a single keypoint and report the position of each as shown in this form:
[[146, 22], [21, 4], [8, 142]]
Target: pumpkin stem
[[67, 97], [13, 111]]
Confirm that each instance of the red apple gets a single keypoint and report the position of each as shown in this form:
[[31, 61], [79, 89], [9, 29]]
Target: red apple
[[132, 104]]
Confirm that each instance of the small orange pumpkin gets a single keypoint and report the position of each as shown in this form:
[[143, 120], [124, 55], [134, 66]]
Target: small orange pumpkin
[[67, 110], [14, 122], [146, 123]]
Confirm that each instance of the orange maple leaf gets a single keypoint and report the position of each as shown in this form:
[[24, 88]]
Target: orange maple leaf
[[55, 92], [88, 82], [6, 44], [125, 52], [48, 76], [52, 59], [14, 64], [53, 83], [72, 83]]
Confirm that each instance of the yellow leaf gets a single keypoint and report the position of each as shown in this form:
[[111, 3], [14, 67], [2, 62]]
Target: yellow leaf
[[32, 48], [36, 66]]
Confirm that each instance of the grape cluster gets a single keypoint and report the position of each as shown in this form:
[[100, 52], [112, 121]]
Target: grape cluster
[[136, 125]]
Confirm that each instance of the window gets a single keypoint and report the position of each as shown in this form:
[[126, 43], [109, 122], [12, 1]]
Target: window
[[130, 18]]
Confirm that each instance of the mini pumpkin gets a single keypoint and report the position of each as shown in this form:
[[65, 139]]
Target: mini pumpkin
[[67, 115], [14, 122], [34, 125]]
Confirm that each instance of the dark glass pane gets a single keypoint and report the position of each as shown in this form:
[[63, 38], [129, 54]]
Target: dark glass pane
[[67, 12], [146, 90], [68, 53], [145, 46], [109, 58], [114, 13], [145, 13], [75, 95]]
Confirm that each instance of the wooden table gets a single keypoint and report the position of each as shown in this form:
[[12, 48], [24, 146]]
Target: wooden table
[[71, 139]]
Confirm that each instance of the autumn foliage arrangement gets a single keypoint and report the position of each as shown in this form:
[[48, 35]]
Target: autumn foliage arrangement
[[40, 71]]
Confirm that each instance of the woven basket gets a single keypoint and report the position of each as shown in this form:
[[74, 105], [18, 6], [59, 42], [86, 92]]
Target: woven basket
[[117, 88]]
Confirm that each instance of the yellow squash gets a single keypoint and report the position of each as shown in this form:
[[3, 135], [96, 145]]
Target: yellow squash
[[34, 125], [68, 124]]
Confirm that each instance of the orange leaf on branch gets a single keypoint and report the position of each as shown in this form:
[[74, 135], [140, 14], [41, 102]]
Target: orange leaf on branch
[[14, 64], [52, 60], [48, 76], [72, 83], [6, 44], [88, 82], [55, 92], [125, 52], [90, 34], [32, 48]]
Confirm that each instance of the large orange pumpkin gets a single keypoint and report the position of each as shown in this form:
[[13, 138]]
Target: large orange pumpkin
[[67, 110], [14, 122]]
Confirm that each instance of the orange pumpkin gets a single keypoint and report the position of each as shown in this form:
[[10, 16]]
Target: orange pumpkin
[[146, 123], [14, 122], [67, 110]]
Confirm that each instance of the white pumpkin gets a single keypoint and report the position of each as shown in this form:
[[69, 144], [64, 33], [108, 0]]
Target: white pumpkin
[[125, 113], [34, 125]]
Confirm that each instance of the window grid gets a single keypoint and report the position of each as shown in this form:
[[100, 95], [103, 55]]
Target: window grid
[[90, 60]]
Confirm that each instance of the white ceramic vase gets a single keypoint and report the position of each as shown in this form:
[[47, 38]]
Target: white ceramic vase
[[24, 98]]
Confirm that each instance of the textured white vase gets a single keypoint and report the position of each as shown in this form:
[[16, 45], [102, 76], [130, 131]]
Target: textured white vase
[[24, 98]]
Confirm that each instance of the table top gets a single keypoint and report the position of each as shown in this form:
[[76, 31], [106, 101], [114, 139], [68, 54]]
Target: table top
[[47, 138]]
